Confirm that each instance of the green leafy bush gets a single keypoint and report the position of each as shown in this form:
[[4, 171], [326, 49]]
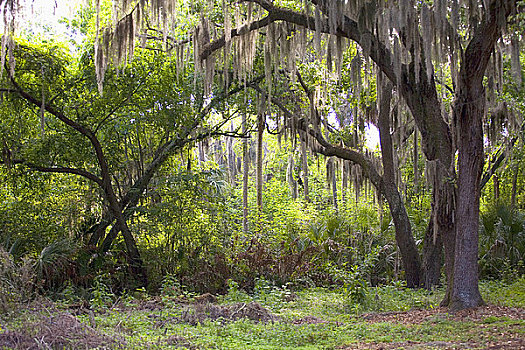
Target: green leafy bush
[[502, 242]]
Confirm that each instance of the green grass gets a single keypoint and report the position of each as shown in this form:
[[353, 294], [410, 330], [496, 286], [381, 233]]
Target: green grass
[[340, 321], [504, 294]]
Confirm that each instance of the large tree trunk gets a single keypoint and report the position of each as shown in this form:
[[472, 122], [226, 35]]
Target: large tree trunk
[[443, 201], [465, 291], [469, 110], [405, 240]]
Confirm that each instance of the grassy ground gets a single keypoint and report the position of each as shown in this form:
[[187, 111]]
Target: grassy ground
[[271, 318]]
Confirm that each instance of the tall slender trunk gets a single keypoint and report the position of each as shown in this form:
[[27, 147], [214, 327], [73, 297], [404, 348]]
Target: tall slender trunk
[[232, 169], [514, 185], [404, 238], [245, 170], [259, 165], [334, 186], [495, 180], [415, 163], [292, 184], [344, 181], [304, 158]]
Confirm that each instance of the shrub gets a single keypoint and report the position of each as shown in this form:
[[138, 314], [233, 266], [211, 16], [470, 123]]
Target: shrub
[[17, 281], [502, 242]]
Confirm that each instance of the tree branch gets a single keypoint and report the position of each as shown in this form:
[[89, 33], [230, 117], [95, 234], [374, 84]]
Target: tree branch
[[61, 170], [327, 148]]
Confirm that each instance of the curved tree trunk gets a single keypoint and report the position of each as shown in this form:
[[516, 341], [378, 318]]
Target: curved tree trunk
[[404, 238], [388, 188]]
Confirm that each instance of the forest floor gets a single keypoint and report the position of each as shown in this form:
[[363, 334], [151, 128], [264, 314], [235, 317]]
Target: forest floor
[[272, 318]]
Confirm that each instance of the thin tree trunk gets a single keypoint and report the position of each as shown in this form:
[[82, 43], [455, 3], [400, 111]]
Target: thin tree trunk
[[259, 165], [334, 185], [279, 136], [404, 238], [304, 158], [232, 169], [495, 180], [246, 165], [415, 161], [134, 260], [514, 185], [292, 184], [344, 181]]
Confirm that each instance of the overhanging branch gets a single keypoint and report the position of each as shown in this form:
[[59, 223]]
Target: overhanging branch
[[59, 170]]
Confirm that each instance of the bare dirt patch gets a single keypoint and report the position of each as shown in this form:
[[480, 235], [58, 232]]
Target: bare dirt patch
[[419, 316], [485, 336]]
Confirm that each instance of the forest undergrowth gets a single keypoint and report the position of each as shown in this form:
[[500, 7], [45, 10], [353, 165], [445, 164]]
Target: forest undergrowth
[[269, 317]]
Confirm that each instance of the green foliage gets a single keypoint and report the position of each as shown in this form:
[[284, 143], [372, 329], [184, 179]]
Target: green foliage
[[505, 293], [101, 294], [234, 294], [188, 221], [53, 260], [502, 242], [171, 286]]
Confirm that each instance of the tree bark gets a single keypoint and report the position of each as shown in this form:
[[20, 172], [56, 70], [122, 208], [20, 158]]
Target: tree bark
[[259, 160], [304, 159], [465, 292], [495, 181], [469, 110], [443, 201], [404, 238], [415, 164], [432, 255], [334, 187], [246, 165], [514, 189]]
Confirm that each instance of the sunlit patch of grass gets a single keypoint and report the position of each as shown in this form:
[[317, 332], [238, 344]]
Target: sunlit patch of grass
[[504, 293]]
